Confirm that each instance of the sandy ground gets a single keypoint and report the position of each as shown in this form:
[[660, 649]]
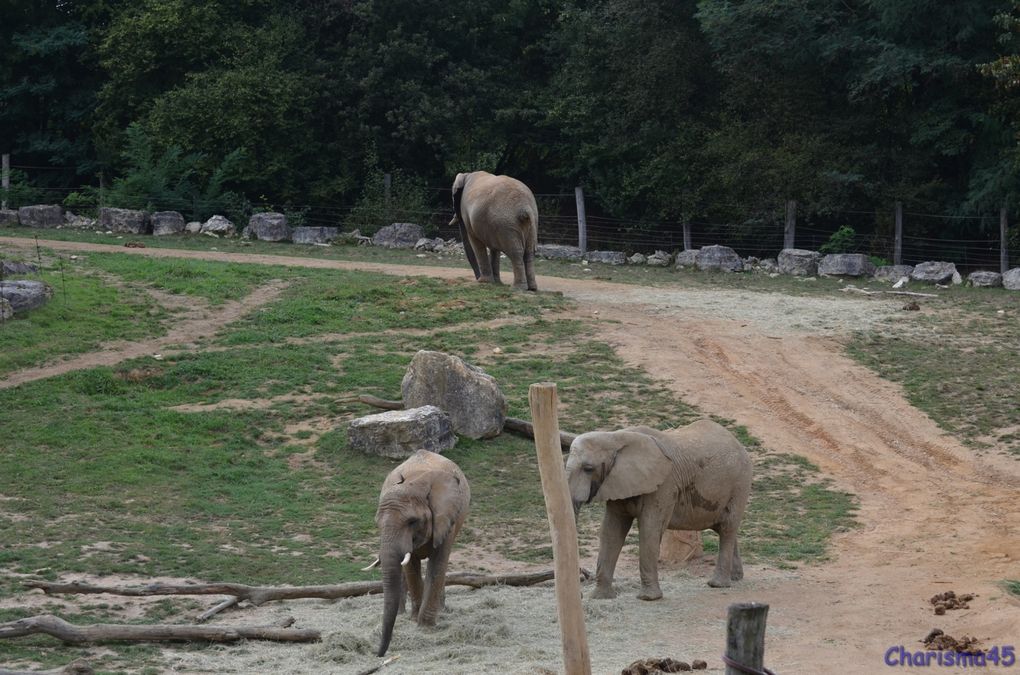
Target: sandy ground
[[934, 516]]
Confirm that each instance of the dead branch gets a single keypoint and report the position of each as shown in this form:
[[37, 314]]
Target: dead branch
[[76, 667], [209, 613], [375, 669], [48, 624], [862, 291], [916, 295], [512, 424]]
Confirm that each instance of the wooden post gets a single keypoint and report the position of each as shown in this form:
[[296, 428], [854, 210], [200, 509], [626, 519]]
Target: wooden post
[[687, 235], [387, 184], [5, 178], [582, 222], [789, 233], [745, 636], [1003, 239], [560, 510], [897, 256], [102, 190]]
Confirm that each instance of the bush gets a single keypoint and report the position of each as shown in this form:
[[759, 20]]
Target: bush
[[841, 241], [408, 203]]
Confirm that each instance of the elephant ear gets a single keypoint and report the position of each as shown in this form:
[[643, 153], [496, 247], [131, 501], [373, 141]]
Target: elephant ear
[[458, 190], [446, 501], [639, 466]]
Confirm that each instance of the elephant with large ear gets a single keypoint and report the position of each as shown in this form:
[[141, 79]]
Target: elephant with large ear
[[497, 214], [696, 477], [422, 506]]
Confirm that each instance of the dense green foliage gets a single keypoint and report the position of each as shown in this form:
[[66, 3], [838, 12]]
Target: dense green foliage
[[664, 110]]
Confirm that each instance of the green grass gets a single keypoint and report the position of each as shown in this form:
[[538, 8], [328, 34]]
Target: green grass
[[104, 476], [958, 363], [1013, 586]]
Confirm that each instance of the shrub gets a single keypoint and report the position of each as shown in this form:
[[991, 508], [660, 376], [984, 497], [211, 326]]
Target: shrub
[[841, 241]]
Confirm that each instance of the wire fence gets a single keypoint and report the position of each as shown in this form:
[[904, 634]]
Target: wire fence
[[970, 241]]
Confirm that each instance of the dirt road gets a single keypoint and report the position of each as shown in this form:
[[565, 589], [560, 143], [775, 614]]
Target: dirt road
[[933, 515]]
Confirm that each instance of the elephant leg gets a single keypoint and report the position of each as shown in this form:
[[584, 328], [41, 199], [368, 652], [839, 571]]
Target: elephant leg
[[435, 584], [412, 572], [520, 274], [482, 257], [737, 571], [723, 576], [494, 263], [651, 525], [468, 251], [529, 270], [615, 526]]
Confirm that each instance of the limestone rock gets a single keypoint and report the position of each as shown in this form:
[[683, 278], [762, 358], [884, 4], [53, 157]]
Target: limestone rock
[[846, 265], [398, 235], [194, 227], [167, 222], [637, 259], [607, 257], [10, 268], [799, 262], [687, 258], [558, 252], [80, 222], [767, 266], [716, 257], [934, 272], [25, 295], [314, 235], [6, 311], [401, 433], [426, 244], [220, 226], [1011, 279], [9, 218], [893, 272], [125, 221], [42, 215], [269, 227], [984, 279], [660, 259], [471, 397]]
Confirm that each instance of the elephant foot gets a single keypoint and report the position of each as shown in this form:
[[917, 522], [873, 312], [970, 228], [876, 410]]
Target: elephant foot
[[603, 593], [716, 582], [650, 594], [427, 621]]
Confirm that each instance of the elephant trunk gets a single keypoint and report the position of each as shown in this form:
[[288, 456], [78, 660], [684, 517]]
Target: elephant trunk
[[393, 592]]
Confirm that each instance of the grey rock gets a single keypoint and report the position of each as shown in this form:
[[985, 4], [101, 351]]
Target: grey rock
[[767, 266], [558, 252], [637, 259], [42, 215], [983, 279], [269, 227], [10, 268], [934, 272], [799, 262], [687, 258], [401, 433], [398, 235], [893, 272], [166, 223], [716, 257], [607, 257], [1011, 279], [426, 244], [81, 222], [6, 311], [125, 221], [660, 259], [220, 226], [194, 227], [314, 235], [471, 397], [9, 218], [846, 265], [24, 295]]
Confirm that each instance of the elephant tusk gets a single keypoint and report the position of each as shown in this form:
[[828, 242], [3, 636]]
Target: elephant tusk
[[407, 559], [374, 564]]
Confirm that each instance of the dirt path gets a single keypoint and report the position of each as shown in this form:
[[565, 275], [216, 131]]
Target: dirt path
[[933, 515]]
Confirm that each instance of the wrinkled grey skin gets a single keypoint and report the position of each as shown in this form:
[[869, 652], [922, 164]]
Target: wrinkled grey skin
[[497, 214], [694, 478], [422, 506]]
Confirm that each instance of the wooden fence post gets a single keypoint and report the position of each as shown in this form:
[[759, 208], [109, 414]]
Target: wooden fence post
[[687, 235], [745, 636], [789, 233], [1003, 239], [387, 184], [560, 510], [582, 221], [5, 178], [897, 256]]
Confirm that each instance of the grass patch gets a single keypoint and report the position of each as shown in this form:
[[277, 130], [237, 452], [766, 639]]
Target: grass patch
[[1013, 586]]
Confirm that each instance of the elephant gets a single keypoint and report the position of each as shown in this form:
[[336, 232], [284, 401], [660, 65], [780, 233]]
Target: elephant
[[497, 214], [422, 506], [692, 478]]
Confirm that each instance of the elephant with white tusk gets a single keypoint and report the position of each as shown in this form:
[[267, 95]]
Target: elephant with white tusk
[[497, 214], [422, 506], [694, 478]]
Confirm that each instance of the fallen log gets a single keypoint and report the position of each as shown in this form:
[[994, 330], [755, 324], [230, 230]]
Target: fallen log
[[76, 667], [512, 424], [48, 624]]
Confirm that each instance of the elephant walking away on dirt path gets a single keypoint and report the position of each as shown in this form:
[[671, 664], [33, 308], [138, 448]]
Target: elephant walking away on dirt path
[[497, 214], [693, 478]]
